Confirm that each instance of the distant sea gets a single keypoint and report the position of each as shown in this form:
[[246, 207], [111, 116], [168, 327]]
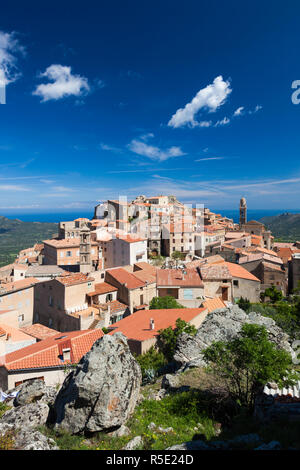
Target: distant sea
[[55, 217]]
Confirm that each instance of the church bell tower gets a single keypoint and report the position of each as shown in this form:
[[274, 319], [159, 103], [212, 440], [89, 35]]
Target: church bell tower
[[243, 211]]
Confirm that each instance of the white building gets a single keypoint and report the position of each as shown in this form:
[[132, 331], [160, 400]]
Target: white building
[[124, 250]]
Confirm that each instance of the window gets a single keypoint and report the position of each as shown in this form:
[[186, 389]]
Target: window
[[236, 283], [188, 294], [50, 300], [61, 254], [69, 253], [20, 318]]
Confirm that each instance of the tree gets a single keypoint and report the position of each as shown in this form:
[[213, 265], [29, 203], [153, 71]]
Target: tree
[[164, 302], [244, 304], [248, 362], [168, 337], [151, 360], [274, 294], [178, 255]]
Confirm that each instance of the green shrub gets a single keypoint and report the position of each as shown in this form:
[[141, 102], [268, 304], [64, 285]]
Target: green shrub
[[151, 360], [7, 441], [248, 362], [168, 337], [164, 302]]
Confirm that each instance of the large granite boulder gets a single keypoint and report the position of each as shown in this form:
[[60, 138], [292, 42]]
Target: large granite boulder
[[33, 391], [27, 416], [27, 439], [33, 440], [103, 390], [223, 324]]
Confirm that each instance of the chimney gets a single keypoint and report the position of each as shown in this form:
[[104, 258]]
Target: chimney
[[66, 352], [8, 336], [151, 324]]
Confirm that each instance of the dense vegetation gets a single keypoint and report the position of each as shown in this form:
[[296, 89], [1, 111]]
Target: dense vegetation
[[16, 235], [284, 227], [164, 302], [248, 362], [284, 311]]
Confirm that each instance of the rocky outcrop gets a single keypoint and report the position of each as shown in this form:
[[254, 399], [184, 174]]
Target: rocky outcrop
[[27, 416], [135, 443], [27, 439], [102, 392], [34, 440], [35, 390], [223, 325]]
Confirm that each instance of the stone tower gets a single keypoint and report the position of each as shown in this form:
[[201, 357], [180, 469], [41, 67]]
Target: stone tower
[[85, 250], [243, 212]]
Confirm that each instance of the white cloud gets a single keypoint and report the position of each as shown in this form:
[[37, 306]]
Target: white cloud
[[13, 187], [9, 47], [239, 111], [63, 189], [223, 122], [62, 84], [209, 158], [204, 123], [257, 108], [211, 97], [110, 148], [155, 153]]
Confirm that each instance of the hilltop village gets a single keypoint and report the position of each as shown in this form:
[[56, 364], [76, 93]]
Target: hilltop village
[[103, 275]]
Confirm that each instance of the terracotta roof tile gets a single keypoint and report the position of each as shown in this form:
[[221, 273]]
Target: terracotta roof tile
[[73, 279], [39, 331], [102, 288], [238, 271], [124, 277], [175, 277], [213, 304], [46, 353], [137, 325]]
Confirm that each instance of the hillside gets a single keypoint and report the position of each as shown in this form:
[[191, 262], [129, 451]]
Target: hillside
[[284, 226], [16, 235]]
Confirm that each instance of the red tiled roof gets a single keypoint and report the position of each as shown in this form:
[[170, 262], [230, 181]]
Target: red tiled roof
[[124, 277], [213, 304], [116, 306], [238, 271], [175, 277], [130, 238], [102, 288], [72, 279], [39, 331], [22, 284], [47, 353], [137, 325], [217, 271]]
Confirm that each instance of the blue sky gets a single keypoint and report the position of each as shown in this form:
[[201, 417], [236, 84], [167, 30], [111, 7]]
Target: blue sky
[[164, 97]]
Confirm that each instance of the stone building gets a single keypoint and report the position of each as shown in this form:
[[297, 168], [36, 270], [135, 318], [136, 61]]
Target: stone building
[[134, 288], [184, 285], [62, 303], [243, 212], [17, 299], [256, 228], [294, 272], [269, 269]]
